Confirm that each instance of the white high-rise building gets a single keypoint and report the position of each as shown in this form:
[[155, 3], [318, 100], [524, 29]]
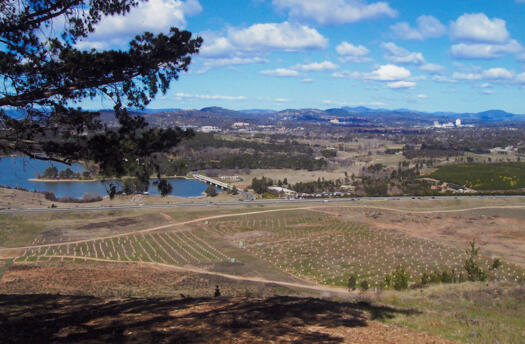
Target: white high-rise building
[[458, 123]]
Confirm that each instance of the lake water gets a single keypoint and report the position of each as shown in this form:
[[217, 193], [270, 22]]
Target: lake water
[[16, 172]]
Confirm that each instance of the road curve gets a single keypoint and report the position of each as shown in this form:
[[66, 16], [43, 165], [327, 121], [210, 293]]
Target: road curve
[[241, 203]]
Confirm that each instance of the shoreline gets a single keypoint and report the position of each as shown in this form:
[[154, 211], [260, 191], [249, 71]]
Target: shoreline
[[41, 180]]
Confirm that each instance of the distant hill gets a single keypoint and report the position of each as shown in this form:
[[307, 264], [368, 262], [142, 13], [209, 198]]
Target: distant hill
[[355, 115], [258, 111]]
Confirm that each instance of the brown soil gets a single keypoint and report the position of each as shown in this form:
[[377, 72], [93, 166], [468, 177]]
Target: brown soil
[[122, 222], [121, 280], [247, 235], [500, 233], [10, 198]]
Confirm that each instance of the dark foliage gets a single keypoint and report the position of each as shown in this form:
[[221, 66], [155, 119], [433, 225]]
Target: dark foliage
[[88, 198], [260, 186], [210, 191], [321, 185], [44, 76]]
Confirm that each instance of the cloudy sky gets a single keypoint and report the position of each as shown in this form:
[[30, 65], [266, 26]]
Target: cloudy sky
[[448, 55]]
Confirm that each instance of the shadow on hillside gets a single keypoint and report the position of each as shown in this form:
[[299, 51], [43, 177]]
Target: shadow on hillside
[[77, 319]]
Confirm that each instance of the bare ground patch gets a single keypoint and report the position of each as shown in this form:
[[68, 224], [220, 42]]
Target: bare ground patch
[[119, 280], [499, 232], [122, 222]]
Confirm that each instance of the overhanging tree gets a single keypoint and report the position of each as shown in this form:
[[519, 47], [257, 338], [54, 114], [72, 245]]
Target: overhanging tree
[[44, 78]]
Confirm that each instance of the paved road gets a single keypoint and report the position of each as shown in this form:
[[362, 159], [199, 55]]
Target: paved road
[[240, 203]]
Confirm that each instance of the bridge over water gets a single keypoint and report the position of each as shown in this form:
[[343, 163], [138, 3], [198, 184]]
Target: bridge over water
[[212, 181]]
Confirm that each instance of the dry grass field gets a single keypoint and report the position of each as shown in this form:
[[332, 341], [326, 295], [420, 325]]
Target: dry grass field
[[305, 250]]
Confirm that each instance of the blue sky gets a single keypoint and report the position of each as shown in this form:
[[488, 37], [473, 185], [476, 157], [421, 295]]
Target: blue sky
[[463, 56]]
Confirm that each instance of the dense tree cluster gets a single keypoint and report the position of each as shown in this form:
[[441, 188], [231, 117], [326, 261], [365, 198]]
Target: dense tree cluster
[[260, 186], [321, 185], [203, 141], [246, 161]]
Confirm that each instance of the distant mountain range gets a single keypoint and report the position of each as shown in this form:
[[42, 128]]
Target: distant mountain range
[[351, 113], [486, 116]]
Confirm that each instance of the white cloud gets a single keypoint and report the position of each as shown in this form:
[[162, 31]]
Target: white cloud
[[317, 67], [399, 55], [219, 47], [480, 37], [208, 97], [335, 11], [432, 68], [396, 54], [229, 61], [422, 96], [154, 16], [401, 84], [346, 75], [353, 53], [466, 76], [497, 74], [394, 76], [427, 27], [388, 73], [493, 74], [263, 38], [478, 28], [485, 51], [281, 100], [521, 78], [443, 79], [307, 80], [281, 72]]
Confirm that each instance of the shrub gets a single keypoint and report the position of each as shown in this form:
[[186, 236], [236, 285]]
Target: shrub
[[364, 285], [426, 278], [474, 271], [210, 191], [388, 281], [352, 282], [446, 277], [496, 263], [400, 279]]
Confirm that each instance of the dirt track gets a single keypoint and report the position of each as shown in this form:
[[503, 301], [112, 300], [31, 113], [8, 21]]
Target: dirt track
[[196, 270]]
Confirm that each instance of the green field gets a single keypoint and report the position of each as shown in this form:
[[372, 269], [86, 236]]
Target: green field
[[485, 177]]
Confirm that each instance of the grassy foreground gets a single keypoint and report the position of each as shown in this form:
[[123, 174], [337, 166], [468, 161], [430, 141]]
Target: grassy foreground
[[321, 244], [469, 312]]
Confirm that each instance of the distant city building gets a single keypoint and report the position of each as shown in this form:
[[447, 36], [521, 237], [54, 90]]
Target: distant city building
[[448, 125], [508, 149], [458, 123], [285, 191], [233, 179], [240, 125], [209, 129]]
